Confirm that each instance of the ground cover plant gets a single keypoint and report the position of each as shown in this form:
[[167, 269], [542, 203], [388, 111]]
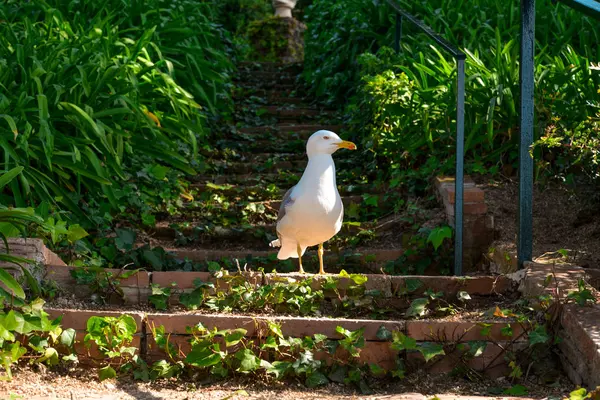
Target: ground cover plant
[[403, 104]]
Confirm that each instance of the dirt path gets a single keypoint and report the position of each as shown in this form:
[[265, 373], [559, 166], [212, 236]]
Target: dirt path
[[83, 385]]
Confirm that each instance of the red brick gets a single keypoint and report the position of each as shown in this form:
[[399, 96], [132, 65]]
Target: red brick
[[470, 194], [290, 326], [450, 285], [567, 277], [182, 279], [77, 319], [457, 331], [87, 355], [61, 274], [468, 209]]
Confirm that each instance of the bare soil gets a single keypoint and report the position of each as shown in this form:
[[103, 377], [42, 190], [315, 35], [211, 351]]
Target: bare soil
[[563, 218], [80, 384]]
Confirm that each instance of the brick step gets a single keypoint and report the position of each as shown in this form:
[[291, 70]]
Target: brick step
[[288, 111], [275, 204], [268, 93], [228, 167], [269, 85], [360, 255], [258, 190], [254, 78], [251, 66], [303, 129]]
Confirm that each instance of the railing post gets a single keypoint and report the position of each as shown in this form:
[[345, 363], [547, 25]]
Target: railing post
[[398, 36], [460, 158], [526, 77]]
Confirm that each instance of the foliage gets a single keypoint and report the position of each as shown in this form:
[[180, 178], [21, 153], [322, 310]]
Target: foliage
[[92, 89], [405, 101], [102, 283], [113, 337], [26, 332]]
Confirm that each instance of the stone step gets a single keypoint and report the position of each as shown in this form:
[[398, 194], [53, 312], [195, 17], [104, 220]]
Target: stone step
[[361, 256], [305, 129], [259, 191], [251, 66], [289, 111], [254, 78]]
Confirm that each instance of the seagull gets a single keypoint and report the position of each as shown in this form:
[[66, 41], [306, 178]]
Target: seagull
[[311, 212]]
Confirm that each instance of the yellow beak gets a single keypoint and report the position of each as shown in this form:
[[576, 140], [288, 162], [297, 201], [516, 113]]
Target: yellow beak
[[346, 145]]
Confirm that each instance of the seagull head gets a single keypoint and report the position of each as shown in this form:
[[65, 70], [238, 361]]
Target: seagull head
[[326, 142]]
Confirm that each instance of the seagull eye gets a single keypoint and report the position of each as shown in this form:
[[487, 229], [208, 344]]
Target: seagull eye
[[326, 137]]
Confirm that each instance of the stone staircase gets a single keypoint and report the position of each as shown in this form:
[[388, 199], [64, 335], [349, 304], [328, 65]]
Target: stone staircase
[[255, 160]]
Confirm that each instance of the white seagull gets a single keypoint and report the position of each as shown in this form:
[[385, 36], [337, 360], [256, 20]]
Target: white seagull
[[312, 211]]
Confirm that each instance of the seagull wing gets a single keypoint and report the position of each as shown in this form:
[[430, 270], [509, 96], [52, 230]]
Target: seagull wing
[[286, 202]]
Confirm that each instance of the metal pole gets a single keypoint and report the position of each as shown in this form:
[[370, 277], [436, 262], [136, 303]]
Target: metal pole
[[526, 76], [398, 36], [460, 158]]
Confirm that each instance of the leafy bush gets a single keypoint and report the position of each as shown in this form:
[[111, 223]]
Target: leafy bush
[[403, 104], [94, 89]]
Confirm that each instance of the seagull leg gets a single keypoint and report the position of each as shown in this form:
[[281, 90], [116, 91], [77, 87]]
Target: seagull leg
[[321, 251], [300, 258]]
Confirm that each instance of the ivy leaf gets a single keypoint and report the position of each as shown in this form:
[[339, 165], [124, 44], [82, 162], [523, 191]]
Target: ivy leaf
[[338, 374], [463, 296], [517, 390], [75, 233], [67, 337], [235, 337], [248, 360], [270, 343], [202, 356], [477, 347], [279, 368], [417, 308], [316, 379], [507, 331], [383, 333], [436, 236], [106, 373], [319, 337], [376, 370], [125, 239], [538, 335], [579, 394], [430, 350], [402, 342], [412, 284]]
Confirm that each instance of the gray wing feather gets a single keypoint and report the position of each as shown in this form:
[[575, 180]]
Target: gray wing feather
[[286, 202]]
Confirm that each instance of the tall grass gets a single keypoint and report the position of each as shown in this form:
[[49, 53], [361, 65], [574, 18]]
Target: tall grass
[[404, 104], [88, 86]]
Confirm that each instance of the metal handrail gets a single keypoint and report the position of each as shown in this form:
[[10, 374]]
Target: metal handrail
[[588, 7], [460, 123]]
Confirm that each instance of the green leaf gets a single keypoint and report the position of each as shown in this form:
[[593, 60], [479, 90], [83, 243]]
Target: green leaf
[[437, 236], [430, 350], [11, 284], [202, 356], [106, 373], [383, 333], [412, 284], [248, 360], [477, 347], [76, 233], [507, 331], [538, 335], [235, 337], [376, 370], [279, 368], [319, 337], [402, 342], [8, 176], [125, 239], [12, 125], [67, 337], [463, 296], [417, 308], [517, 390], [159, 172], [338, 373], [579, 394], [316, 379]]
